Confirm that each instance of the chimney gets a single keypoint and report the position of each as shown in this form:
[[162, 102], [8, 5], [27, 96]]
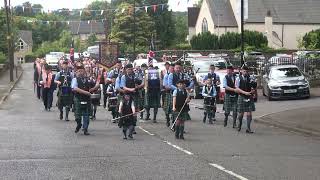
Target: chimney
[[269, 27]]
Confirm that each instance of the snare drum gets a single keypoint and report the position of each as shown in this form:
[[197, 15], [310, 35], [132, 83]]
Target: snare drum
[[95, 99], [112, 103]]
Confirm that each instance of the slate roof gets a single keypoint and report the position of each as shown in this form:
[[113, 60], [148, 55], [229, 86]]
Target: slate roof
[[222, 13], [285, 11], [193, 13], [85, 28], [26, 36]]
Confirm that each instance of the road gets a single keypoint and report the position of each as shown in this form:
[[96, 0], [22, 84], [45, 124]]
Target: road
[[36, 145]]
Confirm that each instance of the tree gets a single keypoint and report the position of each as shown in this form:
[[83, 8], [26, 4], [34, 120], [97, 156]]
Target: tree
[[122, 30], [3, 32], [311, 40], [181, 27]]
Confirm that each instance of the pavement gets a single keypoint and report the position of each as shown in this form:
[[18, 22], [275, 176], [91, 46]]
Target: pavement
[[36, 145], [6, 86]]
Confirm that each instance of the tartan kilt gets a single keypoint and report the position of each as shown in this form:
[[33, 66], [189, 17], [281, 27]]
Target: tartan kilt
[[245, 106], [167, 103], [137, 100], [65, 100], [81, 110], [152, 99], [209, 106], [230, 104], [184, 116], [140, 102]]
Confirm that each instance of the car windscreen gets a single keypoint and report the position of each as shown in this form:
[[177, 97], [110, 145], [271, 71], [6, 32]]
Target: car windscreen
[[203, 66], [285, 73]]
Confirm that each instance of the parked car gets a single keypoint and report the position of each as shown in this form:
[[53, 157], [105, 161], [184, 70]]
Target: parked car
[[285, 81]]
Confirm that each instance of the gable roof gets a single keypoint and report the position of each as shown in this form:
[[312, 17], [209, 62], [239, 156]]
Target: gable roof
[[193, 13], [26, 36], [84, 28], [285, 11], [222, 13]]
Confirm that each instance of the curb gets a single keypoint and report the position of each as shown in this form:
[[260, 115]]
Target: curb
[[266, 121], [6, 95]]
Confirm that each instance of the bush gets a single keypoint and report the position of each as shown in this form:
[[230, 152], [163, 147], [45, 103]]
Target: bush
[[182, 46], [3, 58], [311, 40], [30, 57], [204, 41]]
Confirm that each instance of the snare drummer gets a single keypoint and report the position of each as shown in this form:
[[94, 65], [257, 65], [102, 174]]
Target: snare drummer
[[112, 102], [209, 93], [81, 86]]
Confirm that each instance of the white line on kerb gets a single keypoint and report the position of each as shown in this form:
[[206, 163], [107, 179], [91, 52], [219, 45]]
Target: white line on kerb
[[179, 148], [228, 171], [146, 131]]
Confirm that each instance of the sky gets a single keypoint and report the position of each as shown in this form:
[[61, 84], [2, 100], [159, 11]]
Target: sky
[[175, 5]]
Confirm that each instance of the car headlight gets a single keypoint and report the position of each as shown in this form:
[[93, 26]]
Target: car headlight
[[274, 87], [305, 85]]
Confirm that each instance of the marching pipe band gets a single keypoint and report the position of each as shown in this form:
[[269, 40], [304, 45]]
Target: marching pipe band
[[129, 91]]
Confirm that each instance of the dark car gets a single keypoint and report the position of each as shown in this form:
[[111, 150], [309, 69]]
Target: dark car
[[285, 81]]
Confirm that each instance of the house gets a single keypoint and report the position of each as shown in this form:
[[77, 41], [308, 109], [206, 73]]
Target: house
[[84, 29], [23, 46], [283, 22]]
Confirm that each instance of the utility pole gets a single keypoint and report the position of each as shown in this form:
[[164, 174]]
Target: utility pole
[[134, 28], [242, 35], [9, 39]]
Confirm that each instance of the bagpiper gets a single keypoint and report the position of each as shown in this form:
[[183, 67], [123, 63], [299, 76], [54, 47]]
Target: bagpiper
[[231, 96], [65, 96], [140, 75], [245, 87], [81, 86], [152, 92], [167, 94]]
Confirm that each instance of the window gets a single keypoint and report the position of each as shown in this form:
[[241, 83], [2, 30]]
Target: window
[[20, 44], [204, 25]]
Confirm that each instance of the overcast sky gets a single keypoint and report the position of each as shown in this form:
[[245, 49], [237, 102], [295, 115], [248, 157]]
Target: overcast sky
[[78, 4]]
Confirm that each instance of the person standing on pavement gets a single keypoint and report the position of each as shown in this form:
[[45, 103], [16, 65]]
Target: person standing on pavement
[[81, 86], [48, 85], [180, 108], [167, 95], [127, 109], [245, 87], [65, 96], [231, 96], [209, 93]]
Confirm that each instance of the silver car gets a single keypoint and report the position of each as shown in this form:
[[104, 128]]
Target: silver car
[[285, 81]]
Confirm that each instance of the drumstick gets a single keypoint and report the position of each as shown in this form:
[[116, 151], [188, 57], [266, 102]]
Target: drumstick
[[128, 115]]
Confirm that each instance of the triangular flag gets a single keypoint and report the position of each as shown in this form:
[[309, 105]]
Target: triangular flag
[[80, 13], [154, 8], [146, 8], [101, 12]]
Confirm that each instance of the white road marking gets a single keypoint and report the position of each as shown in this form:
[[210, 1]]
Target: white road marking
[[228, 171], [146, 131], [192, 154], [179, 148]]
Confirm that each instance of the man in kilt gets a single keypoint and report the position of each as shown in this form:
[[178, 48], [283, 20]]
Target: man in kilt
[[209, 93], [245, 87], [152, 92], [167, 95], [140, 79], [119, 90], [65, 96], [81, 86], [231, 96]]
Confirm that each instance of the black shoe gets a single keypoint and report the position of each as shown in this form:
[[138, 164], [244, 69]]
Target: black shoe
[[78, 129], [67, 120], [61, 116], [168, 124], [125, 137], [130, 136], [86, 133], [181, 137], [225, 123], [134, 132], [249, 131], [239, 129]]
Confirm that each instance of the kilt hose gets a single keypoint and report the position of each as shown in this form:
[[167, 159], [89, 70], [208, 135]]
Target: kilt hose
[[167, 103], [80, 109], [244, 106], [230, 103], [152, 99]]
